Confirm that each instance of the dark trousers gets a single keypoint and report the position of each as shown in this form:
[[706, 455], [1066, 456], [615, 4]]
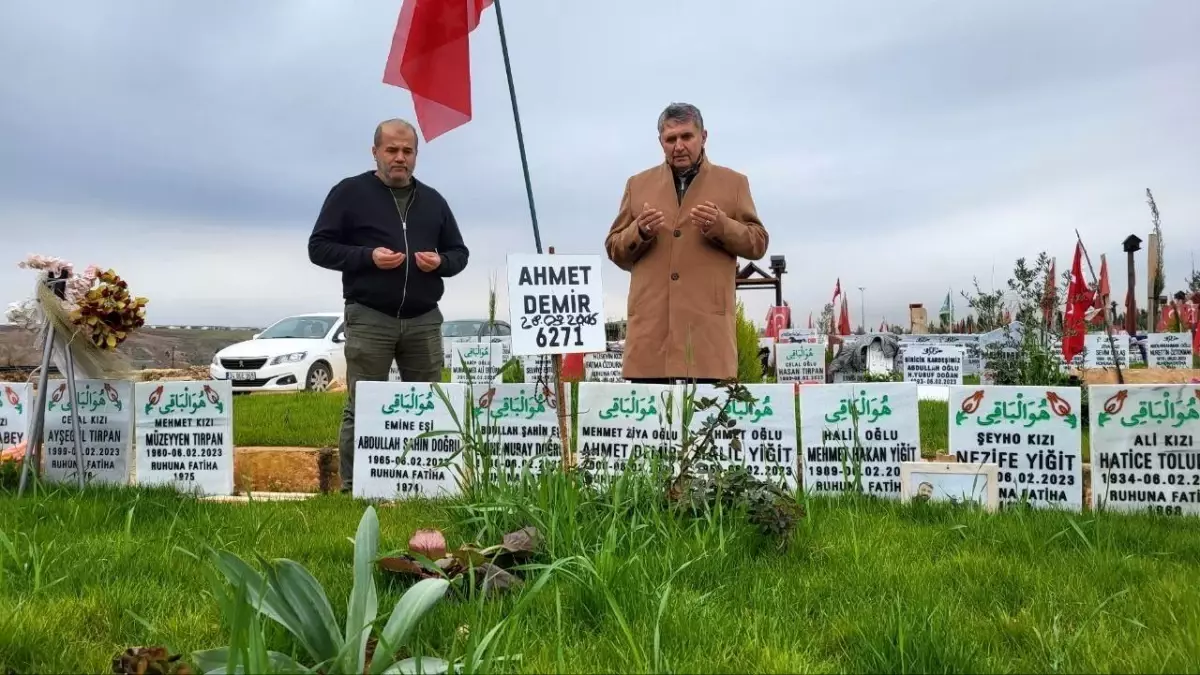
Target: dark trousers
[[373, 341]]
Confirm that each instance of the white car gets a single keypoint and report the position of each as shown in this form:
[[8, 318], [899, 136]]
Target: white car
[[304, 352]]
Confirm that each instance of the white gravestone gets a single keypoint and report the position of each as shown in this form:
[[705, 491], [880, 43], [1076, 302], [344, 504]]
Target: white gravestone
[[1145, 443], [626, 425], [406, 441], [105, 411], [1032, 434], [765, 429], [185, 435], [852, 431]]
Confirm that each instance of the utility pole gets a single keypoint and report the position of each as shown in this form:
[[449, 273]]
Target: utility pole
[[862, 299]]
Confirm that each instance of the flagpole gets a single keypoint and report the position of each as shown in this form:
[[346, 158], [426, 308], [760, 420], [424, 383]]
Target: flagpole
[[1112, 345], [512, 96]]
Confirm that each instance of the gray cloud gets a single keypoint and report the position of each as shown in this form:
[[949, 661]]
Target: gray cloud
[[903, 147]]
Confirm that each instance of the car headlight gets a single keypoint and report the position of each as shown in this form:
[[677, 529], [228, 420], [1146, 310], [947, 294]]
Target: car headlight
[[294, 357], [216, 361]]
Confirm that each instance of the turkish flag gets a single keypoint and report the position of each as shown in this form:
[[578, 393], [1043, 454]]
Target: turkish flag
[[1079, 300], [844, 322], [431, 58]]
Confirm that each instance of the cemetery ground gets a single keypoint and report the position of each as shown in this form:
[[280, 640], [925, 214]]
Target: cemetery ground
[[861, 585]]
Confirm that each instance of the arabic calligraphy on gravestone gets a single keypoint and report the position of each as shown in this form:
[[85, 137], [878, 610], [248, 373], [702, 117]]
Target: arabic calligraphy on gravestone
[[1145, 454], [478, 363], [185, 435], [624, 425], [836, 459], [519, 426], [448, 358], [406, 441], [604, 366], [764, 438], [1032, 434], [556, 303], [1098, 352], [934, 365], [800, 362], [1169, 350], [970, 342], [14, 399], [105, 411]]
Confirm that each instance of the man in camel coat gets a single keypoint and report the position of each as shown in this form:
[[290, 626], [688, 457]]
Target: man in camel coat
[[679, 231]]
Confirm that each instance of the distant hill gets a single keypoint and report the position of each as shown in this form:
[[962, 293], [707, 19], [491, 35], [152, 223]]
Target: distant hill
[[147, 348]]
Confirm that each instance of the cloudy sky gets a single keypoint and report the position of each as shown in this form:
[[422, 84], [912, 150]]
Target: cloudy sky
[[906, 147]]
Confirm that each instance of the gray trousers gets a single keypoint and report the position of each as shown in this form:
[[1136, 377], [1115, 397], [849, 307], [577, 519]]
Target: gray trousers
[[373, 341]]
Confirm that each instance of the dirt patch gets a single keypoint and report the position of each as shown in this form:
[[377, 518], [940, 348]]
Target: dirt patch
[[1142, 375], [263, 469]]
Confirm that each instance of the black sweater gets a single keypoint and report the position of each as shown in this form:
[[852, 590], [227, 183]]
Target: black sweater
[[360, 215]]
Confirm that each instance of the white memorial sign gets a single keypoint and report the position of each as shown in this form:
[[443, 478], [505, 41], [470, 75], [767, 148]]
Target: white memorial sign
[[624, 425], [14, 410], [519, 424], [1145, 442], [1100, 353], [556, 303], [538, 369], [888, 433], [800, 362], [1033, 436], [604, 366], [185, 435], [105, 411], [765, 428], [1169, 350], [406, 442], [934, 365], [477, 363]]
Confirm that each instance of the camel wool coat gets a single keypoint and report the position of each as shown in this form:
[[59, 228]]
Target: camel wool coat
[[681, 305]]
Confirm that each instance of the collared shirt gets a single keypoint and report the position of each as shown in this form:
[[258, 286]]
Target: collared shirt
[[683, 179]]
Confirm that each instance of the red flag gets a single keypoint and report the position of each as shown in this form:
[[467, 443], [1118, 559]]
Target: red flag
[[431, 58], [1079, 300], [844, 322], [883, 326], [837, 291], [1007, 317]]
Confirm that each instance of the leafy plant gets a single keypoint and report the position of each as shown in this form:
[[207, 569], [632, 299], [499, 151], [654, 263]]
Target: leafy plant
[[701, 483], [290, 596], [750, 368], [490, 568]]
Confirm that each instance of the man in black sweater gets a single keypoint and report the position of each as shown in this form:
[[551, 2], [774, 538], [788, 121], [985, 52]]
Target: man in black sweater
[[394, 239]]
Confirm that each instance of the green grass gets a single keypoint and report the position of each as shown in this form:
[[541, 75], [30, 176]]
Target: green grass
[[863, 585], [312, 420]]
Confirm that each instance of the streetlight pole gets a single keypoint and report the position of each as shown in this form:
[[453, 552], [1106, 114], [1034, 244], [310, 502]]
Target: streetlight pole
[[862, 301]]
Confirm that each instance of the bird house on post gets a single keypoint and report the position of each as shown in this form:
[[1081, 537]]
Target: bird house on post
[[1131, 245]]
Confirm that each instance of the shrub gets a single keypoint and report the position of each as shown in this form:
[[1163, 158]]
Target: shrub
[[750, 369]]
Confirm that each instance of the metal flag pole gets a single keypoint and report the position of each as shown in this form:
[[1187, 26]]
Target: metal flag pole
[[537, 235], [37, 425], [512, 96]]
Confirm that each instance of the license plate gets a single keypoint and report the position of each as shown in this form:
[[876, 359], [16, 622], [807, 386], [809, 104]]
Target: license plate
[[242, 376]]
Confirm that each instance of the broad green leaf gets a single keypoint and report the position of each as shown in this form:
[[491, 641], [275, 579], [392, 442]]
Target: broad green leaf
[[290, 596], [413, 605], [363, 606], [216, 660], [306, 600]]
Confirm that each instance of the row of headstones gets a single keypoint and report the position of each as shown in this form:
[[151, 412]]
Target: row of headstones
[[1144, 446]]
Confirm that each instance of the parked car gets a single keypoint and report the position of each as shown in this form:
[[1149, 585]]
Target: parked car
[[304, 352], [307, 352]]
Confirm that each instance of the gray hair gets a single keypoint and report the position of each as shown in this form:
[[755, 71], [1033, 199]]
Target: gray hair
[[400, 122], [680, 112]]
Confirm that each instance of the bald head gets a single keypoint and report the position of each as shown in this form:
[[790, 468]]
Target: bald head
[[393, 125], [395, 152]]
